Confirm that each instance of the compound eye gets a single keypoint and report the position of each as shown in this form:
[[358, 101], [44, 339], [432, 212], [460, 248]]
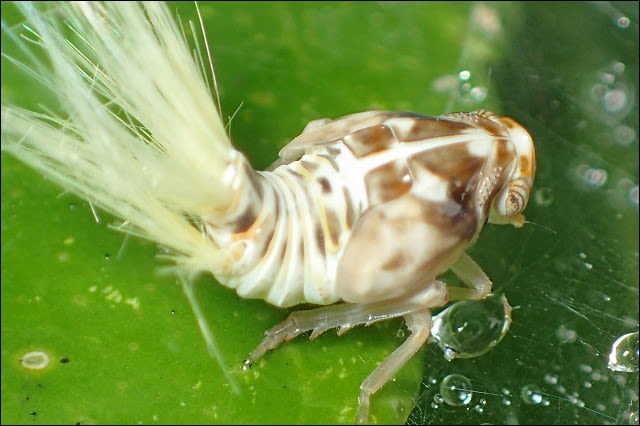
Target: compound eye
[[517, 197]]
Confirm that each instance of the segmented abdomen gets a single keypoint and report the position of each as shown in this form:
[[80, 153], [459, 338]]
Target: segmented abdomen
[[286, 238]]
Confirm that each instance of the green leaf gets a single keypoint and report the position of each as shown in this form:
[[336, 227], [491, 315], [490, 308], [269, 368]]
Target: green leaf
[[123, 344]]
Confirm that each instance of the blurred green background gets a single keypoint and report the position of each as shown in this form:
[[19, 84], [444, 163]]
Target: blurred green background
[[123, 344]]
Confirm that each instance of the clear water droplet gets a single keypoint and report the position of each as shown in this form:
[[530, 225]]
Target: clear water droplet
[[623, 22], [470, 328], [595, 177], [544, 197], [624, 353], [531, 395], [551, 379], [246, 365], [456, 390]]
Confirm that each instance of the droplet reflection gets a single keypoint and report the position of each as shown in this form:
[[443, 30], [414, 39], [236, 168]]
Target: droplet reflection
[[470, 328], [624, 353], [456, 390]]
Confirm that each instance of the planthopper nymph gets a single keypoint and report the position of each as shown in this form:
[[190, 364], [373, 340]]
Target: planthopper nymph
[[361, 214]]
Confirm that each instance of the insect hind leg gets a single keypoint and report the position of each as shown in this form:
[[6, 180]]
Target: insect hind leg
[[419, 323]]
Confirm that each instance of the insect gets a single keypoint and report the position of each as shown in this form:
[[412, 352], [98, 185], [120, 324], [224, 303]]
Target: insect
[[361, 214]]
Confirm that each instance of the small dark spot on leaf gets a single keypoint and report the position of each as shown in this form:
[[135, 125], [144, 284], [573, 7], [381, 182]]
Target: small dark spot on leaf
[[33, 413], [64, 360]]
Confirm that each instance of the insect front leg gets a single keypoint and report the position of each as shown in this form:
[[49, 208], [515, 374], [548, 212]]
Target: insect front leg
[[473, 276]]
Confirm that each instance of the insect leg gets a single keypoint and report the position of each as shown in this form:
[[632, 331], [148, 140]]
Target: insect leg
[[473, 276], [346, 316], [419, 323]]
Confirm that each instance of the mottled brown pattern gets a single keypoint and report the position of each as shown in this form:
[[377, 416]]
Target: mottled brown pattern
[[245, 219], [427, 128], [458, 218], [350, 214], [324, 184], [333, 225], [505, 152], [386, 182], [319, 238], [369, 140], [450, 161], [525, 167], [396, 262]]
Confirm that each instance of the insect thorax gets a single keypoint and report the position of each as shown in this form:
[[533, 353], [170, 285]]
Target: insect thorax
[[289, 229]]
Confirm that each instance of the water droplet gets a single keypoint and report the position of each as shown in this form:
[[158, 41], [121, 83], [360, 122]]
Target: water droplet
[[595, 178], [456, 390], [438, 399], [614, 100], [624, 353], [478, 93], [246, 365], [566, 335], [36, 360], [531, 395], [623, 22], [624, 135], [544, 197], [470, 328], [464, 75], [551, 379]]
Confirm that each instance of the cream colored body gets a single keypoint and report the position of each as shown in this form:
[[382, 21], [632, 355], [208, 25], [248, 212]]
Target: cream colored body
[[399, 195]]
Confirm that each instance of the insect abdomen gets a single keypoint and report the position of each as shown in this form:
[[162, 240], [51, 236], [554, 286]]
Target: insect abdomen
[[288, 254]]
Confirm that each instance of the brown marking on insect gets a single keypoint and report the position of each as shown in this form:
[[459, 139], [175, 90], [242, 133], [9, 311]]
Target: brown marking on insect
[[245, 220], [301, 249], [396, 262], [525, 166], [324, 184], [310, 165], [387, 182], [319, 238], [505, 151], [457, 215], [369, 140], [448, 162], [350, 215], [333, 229], [421, 129]]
